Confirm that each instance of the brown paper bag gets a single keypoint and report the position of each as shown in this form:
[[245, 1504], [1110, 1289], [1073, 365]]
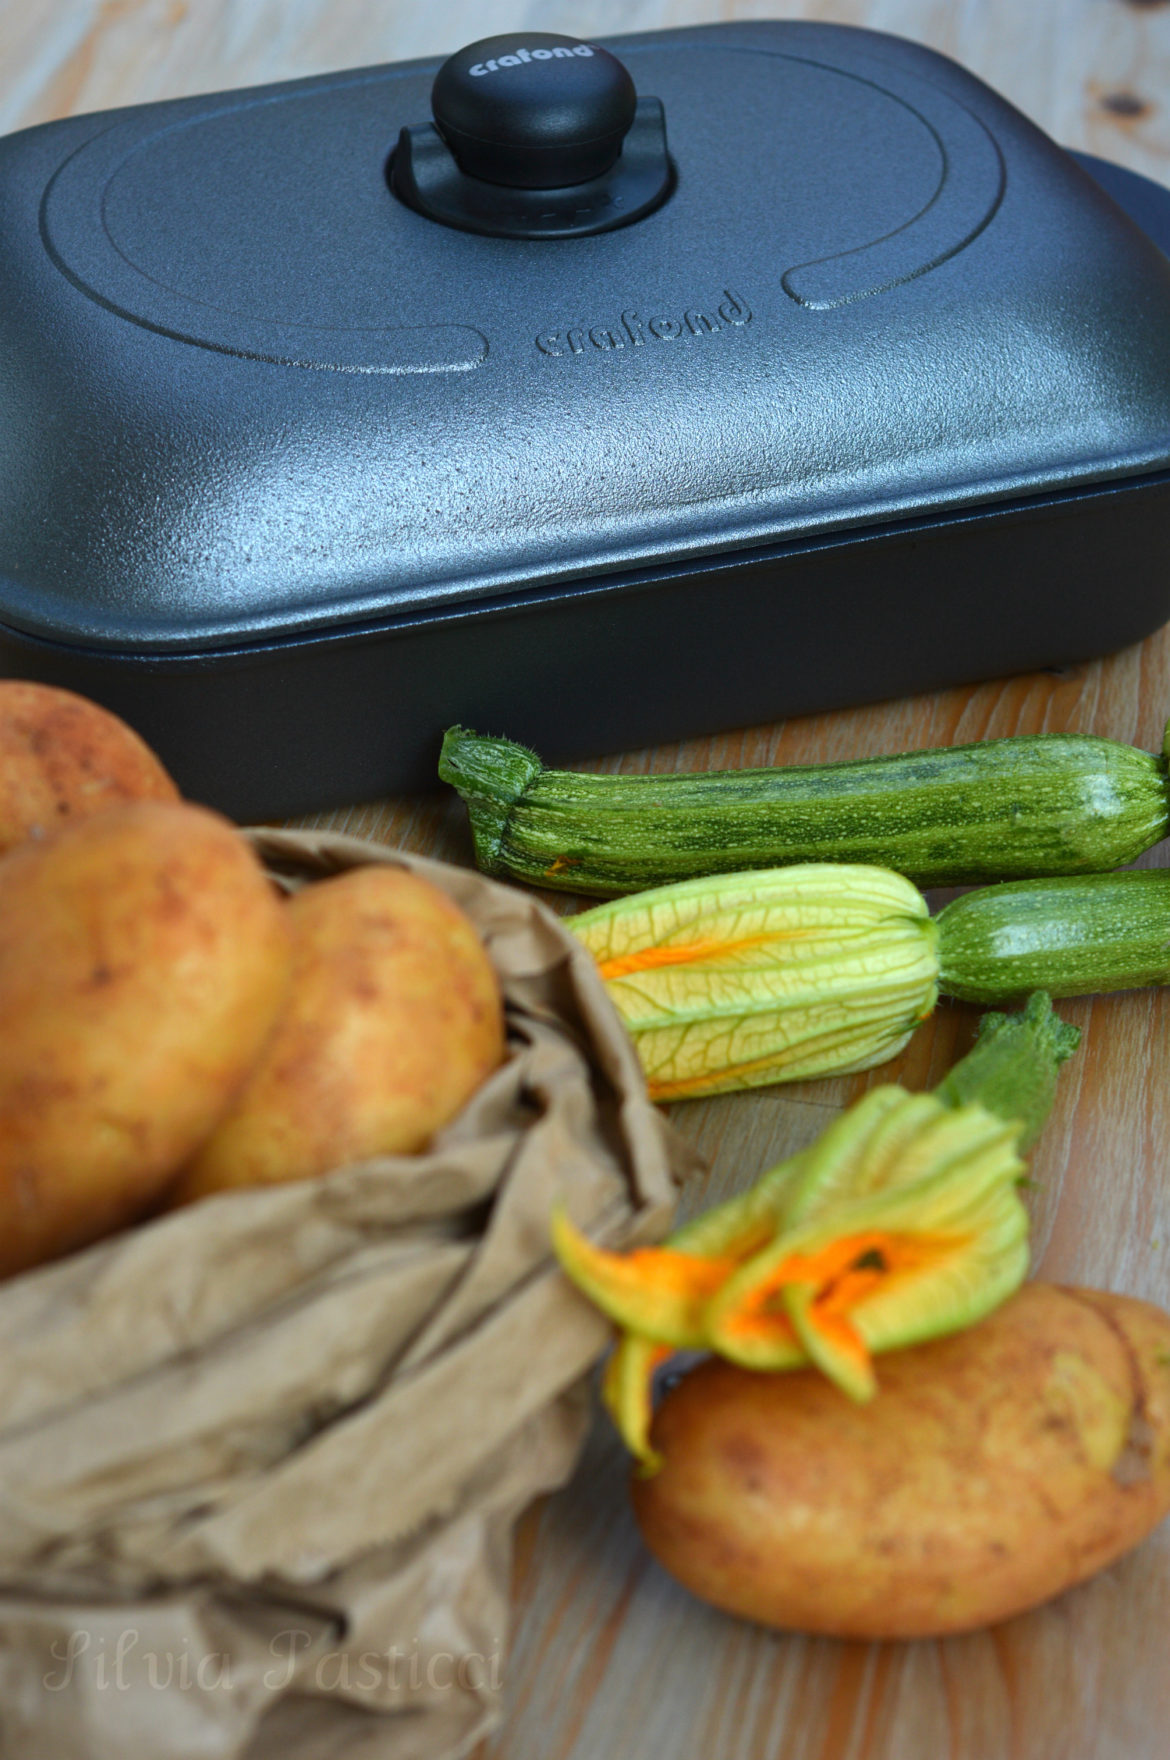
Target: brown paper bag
[[260, 1459]]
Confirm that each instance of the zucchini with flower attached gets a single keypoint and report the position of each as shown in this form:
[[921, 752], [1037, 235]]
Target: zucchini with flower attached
[[1039, 804], [901, 1223], [744, 979]]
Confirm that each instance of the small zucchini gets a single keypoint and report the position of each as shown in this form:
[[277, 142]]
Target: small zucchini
[[773, 976], [1040, 804], [1078, 935]]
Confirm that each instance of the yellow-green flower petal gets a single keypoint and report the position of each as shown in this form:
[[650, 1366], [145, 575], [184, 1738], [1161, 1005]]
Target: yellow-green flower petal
[[832, 1342], [627, 1392], [657, 1291], [744, 979]]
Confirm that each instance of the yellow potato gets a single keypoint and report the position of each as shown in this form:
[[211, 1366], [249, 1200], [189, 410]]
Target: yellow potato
[[394, 1018], [62, 758], [143, 958], [993, 1469]]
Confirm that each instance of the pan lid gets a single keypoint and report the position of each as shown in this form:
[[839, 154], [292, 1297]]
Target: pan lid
[[247, 390]]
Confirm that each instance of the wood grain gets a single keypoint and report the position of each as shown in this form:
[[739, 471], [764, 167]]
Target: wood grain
[[611, 1660]]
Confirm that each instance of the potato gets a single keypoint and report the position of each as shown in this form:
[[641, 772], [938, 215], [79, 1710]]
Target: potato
[[394, 1018], [993, 1469], [143, 958], [62, 758]]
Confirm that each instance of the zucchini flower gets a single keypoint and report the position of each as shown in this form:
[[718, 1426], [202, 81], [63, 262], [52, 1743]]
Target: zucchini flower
[[913, 1228], [736, 981], [902, 1223]]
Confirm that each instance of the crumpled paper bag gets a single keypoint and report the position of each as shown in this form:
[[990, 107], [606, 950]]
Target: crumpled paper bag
[[260, 1459]]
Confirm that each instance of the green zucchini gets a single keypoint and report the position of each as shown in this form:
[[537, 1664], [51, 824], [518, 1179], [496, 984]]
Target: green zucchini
[[1040, 804], [776, 975], [1078, 935]]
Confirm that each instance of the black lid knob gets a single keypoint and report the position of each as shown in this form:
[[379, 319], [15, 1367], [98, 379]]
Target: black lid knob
[[532, 110]]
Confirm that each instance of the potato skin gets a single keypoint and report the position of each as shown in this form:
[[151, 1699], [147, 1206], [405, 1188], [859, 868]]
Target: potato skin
[[143, 958], [63, 758], [994, 1469], [394, 1018]]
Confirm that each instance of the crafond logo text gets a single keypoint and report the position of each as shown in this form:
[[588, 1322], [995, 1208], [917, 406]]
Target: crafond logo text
[[631, 331], [560, 53]]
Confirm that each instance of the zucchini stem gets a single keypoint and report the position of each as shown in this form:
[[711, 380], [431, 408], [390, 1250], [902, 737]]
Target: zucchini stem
[[1012, 1068], [491, 775]]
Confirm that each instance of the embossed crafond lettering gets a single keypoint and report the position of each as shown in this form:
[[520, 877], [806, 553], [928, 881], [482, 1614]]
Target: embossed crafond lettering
[[631, 331]]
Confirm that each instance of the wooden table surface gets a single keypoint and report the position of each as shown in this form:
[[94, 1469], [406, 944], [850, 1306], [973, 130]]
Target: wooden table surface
[[610, 1659]]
